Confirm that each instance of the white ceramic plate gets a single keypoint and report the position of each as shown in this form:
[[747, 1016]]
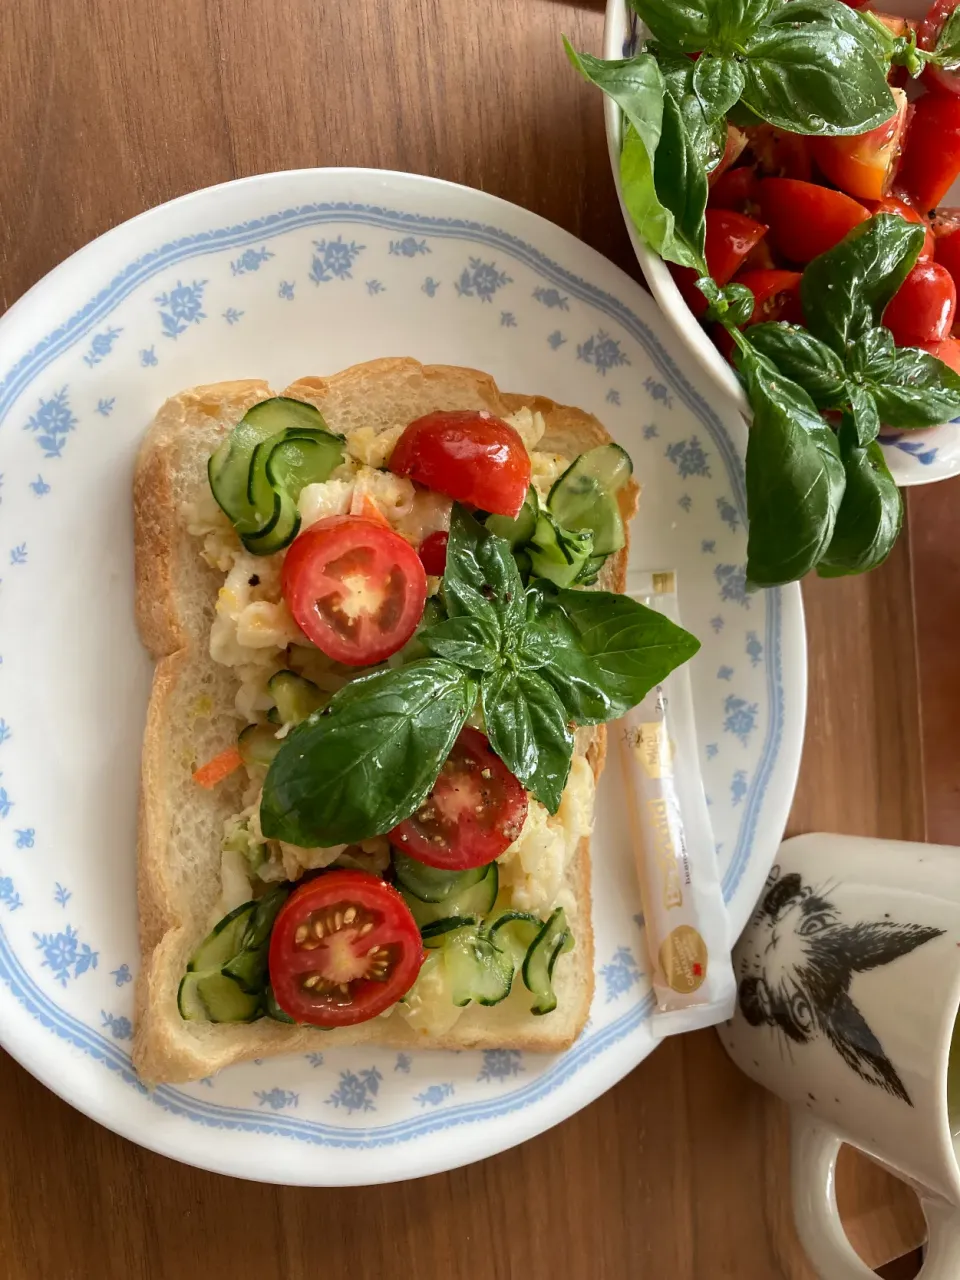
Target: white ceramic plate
[[276, 276], [914, 457]]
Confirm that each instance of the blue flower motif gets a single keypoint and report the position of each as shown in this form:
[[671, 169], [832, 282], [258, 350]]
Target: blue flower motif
[[712, 750], [481, 280], [180, 307], [658, 391], [52, 422], [232, 315], [356, 1090], [650, 431], [754, 649], [61, 895], [725, 673], [620, 974], [120, 1028], [6, 733], [741, 717], [8, 895], [430, 286], [551, 298], [689, 457], [25, 838], [250, 260], [101, 346], [708, 547], [148, 357], [6, 804], [685, 501], [602, 351], [500, 1064], [315, 1059], [285, 290], [105, 407], [733, 583], [18, 555], [433, 1095], [612, 397], [555, 340], [508, 320], [334, 259], [728, 513], [717, 623], [277, 1099], [919, 449], [39, 486], [403, 1062], [122, 975], [63, 952], [408, 247], [738, 789], [374, 287]]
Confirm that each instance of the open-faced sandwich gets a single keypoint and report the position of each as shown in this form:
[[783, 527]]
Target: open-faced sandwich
[[385, 612]]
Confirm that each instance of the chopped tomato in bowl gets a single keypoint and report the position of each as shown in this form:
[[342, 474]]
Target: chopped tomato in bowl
[[806, 219], [864, 165], [730, 238], [922, 309]]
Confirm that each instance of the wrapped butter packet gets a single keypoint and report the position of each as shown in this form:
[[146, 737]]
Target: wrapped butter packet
[[686, 923]]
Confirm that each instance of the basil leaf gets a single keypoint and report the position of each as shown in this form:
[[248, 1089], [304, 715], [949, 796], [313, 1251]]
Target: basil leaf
[[481, 577], [873, 353], [918, 391], [370, 759], [795, 478], [866, 419], [845, 290], [731, 305], [527, 727], [947, 48], [718, 83], [682, 25], [814, 78], [464, 641], [869, 519], [878, 39], [804, 359], [606, 650], [707, 132], [680, 180], [733, 21]]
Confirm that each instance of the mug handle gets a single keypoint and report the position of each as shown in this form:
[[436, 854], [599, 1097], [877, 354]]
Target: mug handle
[[813, 1167]]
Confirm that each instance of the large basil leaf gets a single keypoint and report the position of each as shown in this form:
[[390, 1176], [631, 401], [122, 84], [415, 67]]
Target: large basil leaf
[[706, 130], [527, 727], [795, 478], [682, 25], [464, 641], [732, 22], [814, 78], [873, 35], [869, 519], [718, 83], [804, 359], [370, 759], [873, 354], [845, 290], [918, 391], [680, 180], [866, 420], [947, 48], [481, 577]]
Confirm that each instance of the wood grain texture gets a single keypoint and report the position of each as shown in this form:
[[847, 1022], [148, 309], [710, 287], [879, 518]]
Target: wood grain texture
[[680, 1170]]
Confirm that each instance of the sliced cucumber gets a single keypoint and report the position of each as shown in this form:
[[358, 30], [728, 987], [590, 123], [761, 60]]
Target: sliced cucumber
[[261, 922], [258, 744], [189, 1003], [556, 553], [225, 1000], [476, 899], [519, 529], [295, 696], [584, 497], [273, 1010], [514, 932], [223, 943], [590, 571], [273, 717], [550, 943], [431, 884], [436, 934], [248, 967], [478, 969]]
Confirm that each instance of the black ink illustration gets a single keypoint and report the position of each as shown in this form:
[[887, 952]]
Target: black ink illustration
[[797, 969]]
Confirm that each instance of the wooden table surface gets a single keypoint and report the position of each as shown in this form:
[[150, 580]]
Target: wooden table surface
[[111, 106]]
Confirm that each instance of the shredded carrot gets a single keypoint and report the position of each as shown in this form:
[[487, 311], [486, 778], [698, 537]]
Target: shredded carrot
[[371, 511], [220, 767]]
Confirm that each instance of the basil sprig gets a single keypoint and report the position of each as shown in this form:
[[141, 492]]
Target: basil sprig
[[541, 660]]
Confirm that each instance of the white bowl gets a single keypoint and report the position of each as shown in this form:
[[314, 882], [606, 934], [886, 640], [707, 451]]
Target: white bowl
[[914, 457]]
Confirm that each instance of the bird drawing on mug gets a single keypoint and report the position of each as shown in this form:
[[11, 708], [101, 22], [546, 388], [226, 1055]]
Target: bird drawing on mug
[[797, 966]]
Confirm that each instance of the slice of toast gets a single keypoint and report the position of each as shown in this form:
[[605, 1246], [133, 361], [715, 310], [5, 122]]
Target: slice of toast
[[191, 717]]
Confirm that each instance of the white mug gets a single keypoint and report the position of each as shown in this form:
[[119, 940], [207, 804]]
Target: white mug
[[848, 992]]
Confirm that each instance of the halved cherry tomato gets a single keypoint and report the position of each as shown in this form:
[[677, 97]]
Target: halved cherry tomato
[[344, 947], [893, 204], [948, 351], [931, 154], [923, 308], [730, 237], [355, 588], [475, 811], [864, 165], [433, 553], [936, 78], [806, 220], [776, 296], [471, 456], [736, 189], [779, 154], [736, 141]]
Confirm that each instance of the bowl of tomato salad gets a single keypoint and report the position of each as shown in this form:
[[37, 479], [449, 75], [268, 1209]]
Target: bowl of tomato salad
[[778, 198]]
